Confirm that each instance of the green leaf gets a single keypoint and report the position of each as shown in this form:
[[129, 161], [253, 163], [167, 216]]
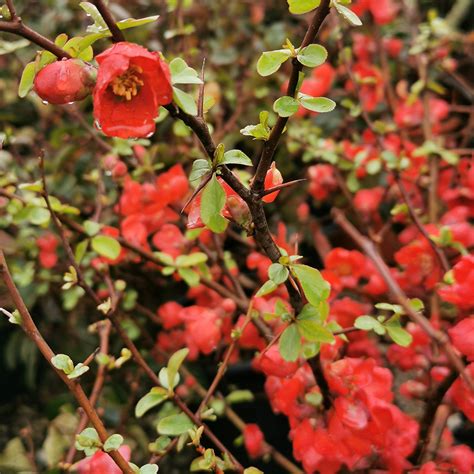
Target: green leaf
[[153, 398], [312, 331], [135, 22], [174, 425], [175, 362], [315, 287], [212, 202], [200, 168], [239, 396], [185, 101], [92, 11], [399, 335], [267, 288], [236, 157], [79, 369], [290, 343], [113, 442], [253, 470], [181, 73], [347, 14], [316, 104], [368, 323], [191, 277], [91, 228], [27, 79], [88, 441], [38, 215], [270, 61], [63, 362], [298, 7], [313, 55], [278, 273], [81, 249], [106, 246], [191, 260], [286, 106], [148, 469]]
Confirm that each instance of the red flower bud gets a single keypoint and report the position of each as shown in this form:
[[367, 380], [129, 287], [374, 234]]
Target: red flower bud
[[64, 81]]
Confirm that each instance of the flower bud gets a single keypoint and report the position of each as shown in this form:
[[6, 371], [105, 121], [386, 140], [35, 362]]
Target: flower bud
[[64, 81]]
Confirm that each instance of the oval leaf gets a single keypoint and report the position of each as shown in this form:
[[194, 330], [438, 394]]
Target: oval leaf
[[315, 287], [286, 106], [174, 425], [290, 343], [153, 398], [270, 61], [212, 202], [317, 104], [106, 246], [313, 55]]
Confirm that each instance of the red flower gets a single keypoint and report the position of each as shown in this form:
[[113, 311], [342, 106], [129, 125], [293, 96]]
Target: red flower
[[461, 293], [272, 363], [47, 244], [273, 178], [64, 81], [253, 440], [131, 84], [462, 336]]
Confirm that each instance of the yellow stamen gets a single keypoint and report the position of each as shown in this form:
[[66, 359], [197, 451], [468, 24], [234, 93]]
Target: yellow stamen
[[128, 84]]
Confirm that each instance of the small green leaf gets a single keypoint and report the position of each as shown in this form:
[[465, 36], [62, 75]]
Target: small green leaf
[[27, 79], [94, 13], [278, 273], [236, 157], [185, 101], [312, 331], [315, 287], [239, 396], [286, 106], [399, 335], [347, 14], [134, 22], [200, 168], [81, 249], [148, 469], [298, 7], [212, 202], [191, 260], [153, 398], [191, 277], [290, 343], [267, 288], [253, 470], [368, 323], [91, 228], [181, 73], [174, 425], [79, 369], [313, 55], [175, 362], [106, 246], [88, 441], [113, 442], [270, 61], [63, 362], [316, 104]]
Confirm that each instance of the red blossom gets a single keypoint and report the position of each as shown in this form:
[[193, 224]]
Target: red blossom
[[462, 336], [271, 362], [273, 178], [461, 293], [64, 81], [253, 440], [132, 83], [47, 244]]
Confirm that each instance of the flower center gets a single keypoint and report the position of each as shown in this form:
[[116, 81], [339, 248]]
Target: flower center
[[128, 84]]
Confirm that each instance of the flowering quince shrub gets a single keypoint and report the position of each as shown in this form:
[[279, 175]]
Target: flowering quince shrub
[[237, 238]]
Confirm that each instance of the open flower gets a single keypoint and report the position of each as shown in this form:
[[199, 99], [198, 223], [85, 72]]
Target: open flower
[[132, 83]]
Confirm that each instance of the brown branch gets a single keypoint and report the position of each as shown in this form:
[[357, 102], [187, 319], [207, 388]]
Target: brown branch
[[399, 296], [429, 416], [31, 330], [117, 35], [104, 333], [17, 27], [271, 144], [281, 186], [421, 228]]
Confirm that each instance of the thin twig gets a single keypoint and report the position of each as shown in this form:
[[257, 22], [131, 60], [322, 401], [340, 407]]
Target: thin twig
[[117, 35]]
